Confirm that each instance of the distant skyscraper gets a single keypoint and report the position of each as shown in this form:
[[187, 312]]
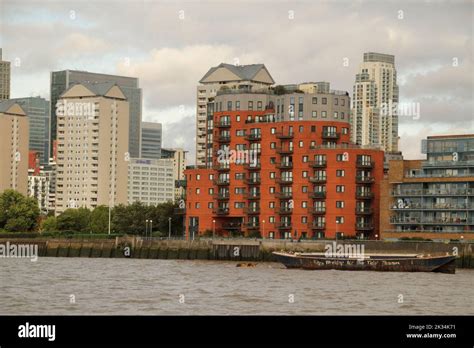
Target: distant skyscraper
[[232, 78], [151, 140], [62, 80], [92, 147], [14, 147], [179, 165], [4, 78], [375, 90], [37, 110]]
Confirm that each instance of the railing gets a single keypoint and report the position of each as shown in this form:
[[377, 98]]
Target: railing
[[432, 192], [284, 195], [179, 211], [252, 210], [221, 182], [284, 210], [418, 206], [284, 181], [284, 135], [252, 195], [250, 166], [317, 210], [448, 163], [252, 226], [450, 221], [281, 150], [253, 137], [221, 167], [223, 138], [318, 194], [223, 124], [252, 181], [364, 211], [318, 164], [284, 226], [284, 165], [330, 135], [363, 164], [317, 179], [318, 226], [221, 197], [364, 226], [221, 211], [364, 179], [364, 195]]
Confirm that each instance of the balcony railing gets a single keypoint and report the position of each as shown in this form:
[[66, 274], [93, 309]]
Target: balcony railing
[[364, 164], [222, 124], [221, 211], [317, 210], [250, 166], [284, 195], [252, 210], [252, 226], [364, 226], [253, 181], [317, 179], [318, 226], [318, 164], [284, 181], [284, 165], [221, 197], [253, 137], [284, 226], [221, 167], [252, 195], [318, 194], [223, 138], [363, 211], [285, 210], [231, 225], [440, 206], [221, 182], [364, 180], [330, 135], [364, 195], [284, 135], [284, 150], [425, 221], [432, 192], [448, 164]]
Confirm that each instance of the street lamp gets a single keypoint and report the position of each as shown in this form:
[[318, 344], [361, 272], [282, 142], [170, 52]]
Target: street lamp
[[263, 228], [169, 226], [376, 236], [146, 227], [213, 228], [151, 228]]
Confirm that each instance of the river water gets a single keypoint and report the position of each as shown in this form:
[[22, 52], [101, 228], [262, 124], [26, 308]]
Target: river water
[[178, 287]]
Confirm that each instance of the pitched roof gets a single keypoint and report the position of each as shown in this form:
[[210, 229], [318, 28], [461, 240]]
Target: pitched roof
[[7, 104], [99, 89], [245, 72]]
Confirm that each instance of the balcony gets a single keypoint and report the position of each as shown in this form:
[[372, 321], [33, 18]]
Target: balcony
[[409, 221], [318, 164], [222, 124], [221, 182], [221, 197], [364, 226], [252, 195], [364, 195], [284, 135], [364, 164], [250, 166], [317, 179], [330, 135], [253, 181], [284, 226], [439, 206], [223, 138], [221, 167], [231, 225], [221, 211], [284, 195], [285, 210], [364, 180], [284, 165], [317, 210], [284, 181], [252, 226], [318, 225], [363, 211], [252, 210], [318, 194], [253, 137], [284, 151]]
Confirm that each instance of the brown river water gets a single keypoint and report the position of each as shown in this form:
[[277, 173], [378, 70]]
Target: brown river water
[[68, 286]]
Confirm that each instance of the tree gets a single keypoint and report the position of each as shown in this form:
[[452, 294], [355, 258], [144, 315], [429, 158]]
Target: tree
[[99, 220], [17, 212], [130, 219], [49, 224], [74, 220], [279, 90]]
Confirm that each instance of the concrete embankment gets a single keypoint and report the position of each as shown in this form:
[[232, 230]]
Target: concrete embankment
[[226, 249]]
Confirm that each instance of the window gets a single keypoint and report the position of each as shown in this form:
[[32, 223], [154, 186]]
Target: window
[[211, 191], [237, 106], [304, 204], [339, 157], [315, 100], [198, 176], [340, 172], [339, 188], [304, 219], [271, 205], [345, 130], [323, 114], [272, 175], [210, 205], [239, 205], [339, 219], [272, 189], [301, 129], [325, 101], [272, 160], [229, 106], [259, 105], [237, 118], [305, 159], [250, 105], [239, 190], [301, 144], [273, 131], [271, 219], [336, 114], [343, 102], [211, 176], [342, 115], [314, 114], [313, 129], [197, 205], [336, 101], [339, 204], [239, 176], [305, 174], [272, 145], [198, 191]]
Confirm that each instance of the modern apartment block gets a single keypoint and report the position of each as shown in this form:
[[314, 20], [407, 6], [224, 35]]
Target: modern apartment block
[[374, 97], [151, 140], [150, 181], [92, 146], [290, 172], [5, 71], [432, 198], [14, 147], [37, 109], [223, 77], [178, 156], [63, 80]]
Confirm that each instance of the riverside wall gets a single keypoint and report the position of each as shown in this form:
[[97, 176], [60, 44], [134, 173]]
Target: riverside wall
[[226, 249]]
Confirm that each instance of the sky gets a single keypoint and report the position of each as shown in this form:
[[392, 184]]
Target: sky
[[170, 45]]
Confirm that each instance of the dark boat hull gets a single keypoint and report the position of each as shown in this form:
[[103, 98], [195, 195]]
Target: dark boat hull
[[443, 264]]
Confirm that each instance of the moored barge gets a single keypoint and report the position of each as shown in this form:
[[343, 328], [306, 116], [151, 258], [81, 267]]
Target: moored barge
[[370, 262]]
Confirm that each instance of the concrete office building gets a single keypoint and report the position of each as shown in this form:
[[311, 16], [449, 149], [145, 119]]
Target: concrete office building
[[63, 80], [92, 146], [151, 140], [223, 76], [14, 147], [5, 71], [150, 181], [178, 156], [432, 198], [37, 109], [375, 94]]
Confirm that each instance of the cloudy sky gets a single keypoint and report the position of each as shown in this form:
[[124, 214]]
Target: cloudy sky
[[170, 45]]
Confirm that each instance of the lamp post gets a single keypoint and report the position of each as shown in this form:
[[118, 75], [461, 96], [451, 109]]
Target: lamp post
[[263, 228], [151, 228], [213, 228], [169, 228], [337, 223], [146, 227]]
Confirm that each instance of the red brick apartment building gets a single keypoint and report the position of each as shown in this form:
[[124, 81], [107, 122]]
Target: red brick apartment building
[[307, 181]]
